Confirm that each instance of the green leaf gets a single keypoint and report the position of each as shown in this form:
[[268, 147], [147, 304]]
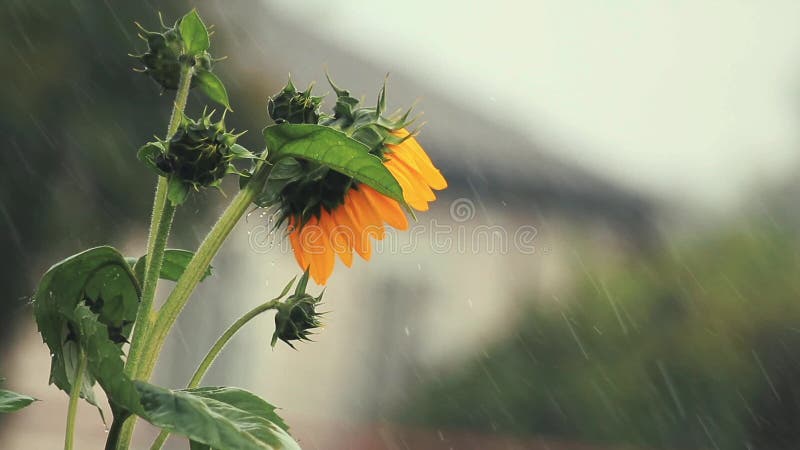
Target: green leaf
[[212, 86], [244, 400], [101, 281], [194, 34], [219, 418], [105, 361], [333, 149], [177, 191], [172, 267], [11, 401]]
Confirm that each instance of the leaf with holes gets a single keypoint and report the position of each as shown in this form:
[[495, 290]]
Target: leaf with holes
[[101, 281]]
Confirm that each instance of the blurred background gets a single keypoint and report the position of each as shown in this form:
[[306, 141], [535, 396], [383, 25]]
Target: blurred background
[[614, 265]]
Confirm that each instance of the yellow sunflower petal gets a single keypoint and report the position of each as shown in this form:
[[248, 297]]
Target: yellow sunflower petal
[[388, 209], [294, 238], [410, 194], [337, 238], [367, 217], [345, 217], [410, 150], [416, 178], [318, 250]]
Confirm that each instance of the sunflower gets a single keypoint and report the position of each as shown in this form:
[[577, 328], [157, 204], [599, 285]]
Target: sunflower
[[345, 226]]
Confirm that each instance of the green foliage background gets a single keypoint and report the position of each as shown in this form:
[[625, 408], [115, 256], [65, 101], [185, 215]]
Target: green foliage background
[[694, 349]]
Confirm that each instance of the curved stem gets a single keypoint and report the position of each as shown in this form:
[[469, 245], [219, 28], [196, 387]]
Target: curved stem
[[223, 341], [174, 304], [160, 224], [74, 397], [212, 354]]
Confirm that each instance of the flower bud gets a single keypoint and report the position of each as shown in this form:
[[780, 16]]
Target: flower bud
[[297, 315], [198, 153], [164, 56], [290, 105]]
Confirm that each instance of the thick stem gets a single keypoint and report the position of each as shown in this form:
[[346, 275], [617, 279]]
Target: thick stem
[[160, 224], [174, 304], [212, 354], [163, 213], [74, 397]]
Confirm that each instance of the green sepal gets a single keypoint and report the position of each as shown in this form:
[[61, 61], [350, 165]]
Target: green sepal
[[212, 86], [149, 153], [172, 267], [367, 125], [239, 152], [194, 34], [177, 191]]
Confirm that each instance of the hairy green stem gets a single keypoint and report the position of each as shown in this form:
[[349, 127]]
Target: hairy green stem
[[163, 213], [212, 354], [74, 397], [160, 224], [190, 278]]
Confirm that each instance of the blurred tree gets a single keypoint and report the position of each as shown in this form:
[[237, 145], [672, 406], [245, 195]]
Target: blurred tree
[[697, 349]]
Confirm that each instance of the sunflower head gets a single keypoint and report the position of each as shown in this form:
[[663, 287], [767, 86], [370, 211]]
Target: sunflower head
[[164, 55], [331, 214], [297, 316], [311, 188], [292, 106]]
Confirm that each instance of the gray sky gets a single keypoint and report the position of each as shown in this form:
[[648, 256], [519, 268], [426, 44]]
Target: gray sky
[[693, 100]]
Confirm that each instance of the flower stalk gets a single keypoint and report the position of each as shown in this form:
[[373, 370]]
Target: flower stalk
[[191, 277], [212, 354]]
